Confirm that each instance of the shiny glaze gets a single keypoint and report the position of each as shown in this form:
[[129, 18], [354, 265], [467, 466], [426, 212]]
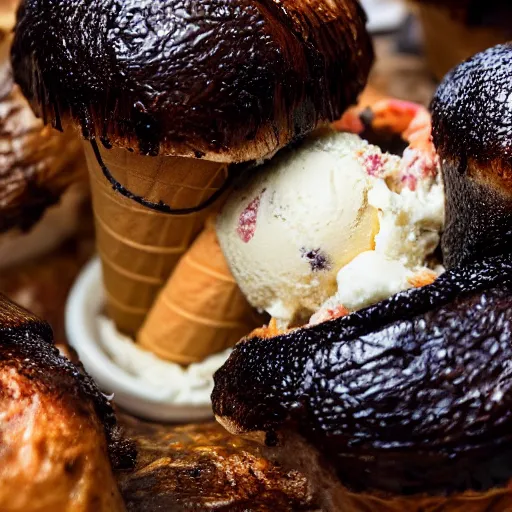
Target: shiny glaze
[[411, 395], [472, 130], [222, 79], [26, 348]]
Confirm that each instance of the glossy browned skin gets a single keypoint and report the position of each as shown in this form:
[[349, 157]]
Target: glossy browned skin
[[57, 432], [400, 397], [37, 164], [472, 130], [220, 79]]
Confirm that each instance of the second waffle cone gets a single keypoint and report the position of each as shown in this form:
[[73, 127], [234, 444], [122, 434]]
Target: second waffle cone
[[139, 247], [201, 310]]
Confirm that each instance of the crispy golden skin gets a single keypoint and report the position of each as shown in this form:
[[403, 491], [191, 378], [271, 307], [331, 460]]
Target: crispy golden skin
[[56, 429]]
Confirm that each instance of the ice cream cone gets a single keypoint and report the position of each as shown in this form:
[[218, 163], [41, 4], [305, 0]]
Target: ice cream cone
[[201, 310], [138, 246]]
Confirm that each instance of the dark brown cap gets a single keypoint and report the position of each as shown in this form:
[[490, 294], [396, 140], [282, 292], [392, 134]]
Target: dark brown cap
[[221, 79], [472, 130]]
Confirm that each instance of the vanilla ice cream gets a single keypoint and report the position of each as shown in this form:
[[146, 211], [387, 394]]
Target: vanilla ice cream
[[163, 381], [296, 223], [335, 222]]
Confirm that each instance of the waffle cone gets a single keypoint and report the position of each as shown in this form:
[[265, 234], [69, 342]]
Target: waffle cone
[[201, 310], [138, 246]]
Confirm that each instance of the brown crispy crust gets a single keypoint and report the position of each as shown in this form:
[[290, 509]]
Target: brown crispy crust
[[472, 130], [220, 79], [59, 434], [493, 13], [37, 164], [408, 397]]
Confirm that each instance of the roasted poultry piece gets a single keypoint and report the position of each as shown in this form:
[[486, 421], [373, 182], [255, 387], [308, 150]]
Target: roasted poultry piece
[[37, 164], [59, 438]]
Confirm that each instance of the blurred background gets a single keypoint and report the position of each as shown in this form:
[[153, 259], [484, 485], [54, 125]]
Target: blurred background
[[441, 33]]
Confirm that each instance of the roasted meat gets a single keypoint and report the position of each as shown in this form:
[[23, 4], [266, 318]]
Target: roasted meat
[[59, 438]]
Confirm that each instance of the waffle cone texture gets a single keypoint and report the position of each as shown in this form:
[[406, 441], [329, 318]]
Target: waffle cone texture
[[201, 310], [140, 247]]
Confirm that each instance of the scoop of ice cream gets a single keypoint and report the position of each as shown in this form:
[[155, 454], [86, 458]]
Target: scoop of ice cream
[[369, 278], [294, 224], [292, 228]]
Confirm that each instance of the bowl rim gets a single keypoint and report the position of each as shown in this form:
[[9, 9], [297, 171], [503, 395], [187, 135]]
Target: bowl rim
[[84, 303]]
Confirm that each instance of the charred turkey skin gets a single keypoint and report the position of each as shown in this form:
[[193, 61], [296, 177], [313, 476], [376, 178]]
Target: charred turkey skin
[[224, 80]]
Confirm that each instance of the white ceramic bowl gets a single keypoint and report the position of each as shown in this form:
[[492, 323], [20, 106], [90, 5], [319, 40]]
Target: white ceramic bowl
[[83, 309]]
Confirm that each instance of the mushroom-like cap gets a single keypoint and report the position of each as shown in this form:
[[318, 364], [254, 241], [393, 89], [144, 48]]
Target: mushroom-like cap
[[412, 395], [472, 129], [222, 79]]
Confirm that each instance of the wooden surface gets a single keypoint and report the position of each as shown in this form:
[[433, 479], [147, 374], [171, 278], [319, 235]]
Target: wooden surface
[[196, 467]]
